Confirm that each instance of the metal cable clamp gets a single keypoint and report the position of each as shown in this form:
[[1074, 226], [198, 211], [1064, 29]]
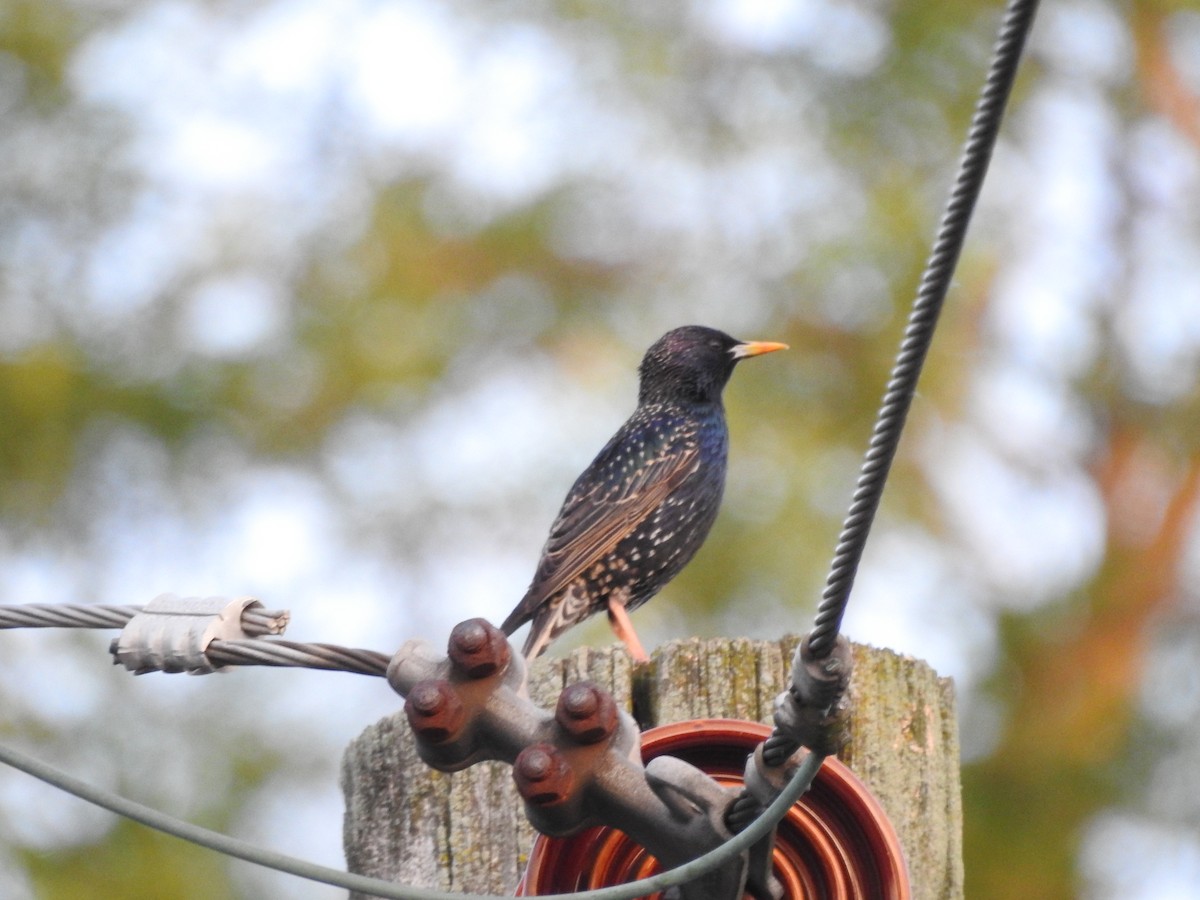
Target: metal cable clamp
[[172, 634]]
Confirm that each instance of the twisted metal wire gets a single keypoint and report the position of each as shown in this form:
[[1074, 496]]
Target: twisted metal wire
[[259, 622], [329, 657], [255, 622], [918, 334], [65, 615], [364, 886]]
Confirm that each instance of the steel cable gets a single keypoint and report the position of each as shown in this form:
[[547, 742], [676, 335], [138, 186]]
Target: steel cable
[[373, 887], [914, 347], [255, 622], [329, 657], [65, 615], [935, 282]]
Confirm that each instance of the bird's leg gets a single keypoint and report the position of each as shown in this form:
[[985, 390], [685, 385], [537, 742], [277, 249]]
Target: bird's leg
[[618, 618]]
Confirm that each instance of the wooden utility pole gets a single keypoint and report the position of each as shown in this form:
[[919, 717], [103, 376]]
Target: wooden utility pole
[[467, 832]]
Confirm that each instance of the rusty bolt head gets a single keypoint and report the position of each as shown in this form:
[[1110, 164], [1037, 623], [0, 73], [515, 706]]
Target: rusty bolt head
[[543, 775], [434, 711], [586, 712], [478, 648]]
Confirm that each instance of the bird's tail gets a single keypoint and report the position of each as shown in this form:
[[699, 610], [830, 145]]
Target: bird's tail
[[540, 633], [537, 642], [514, 621], [539, 637], [550, 617]]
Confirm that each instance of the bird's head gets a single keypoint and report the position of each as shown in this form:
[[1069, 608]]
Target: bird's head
[[693, 364]]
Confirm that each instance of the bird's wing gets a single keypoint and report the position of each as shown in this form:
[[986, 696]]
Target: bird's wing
[[602, 508]]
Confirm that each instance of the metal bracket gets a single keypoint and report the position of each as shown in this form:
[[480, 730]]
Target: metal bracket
[[813, 715], [576, 767], [815, 710]]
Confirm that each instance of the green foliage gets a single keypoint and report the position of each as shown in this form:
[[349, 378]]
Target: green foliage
[[132, 862], [438, 331]]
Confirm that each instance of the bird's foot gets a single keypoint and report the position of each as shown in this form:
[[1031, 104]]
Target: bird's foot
[[623, 628]]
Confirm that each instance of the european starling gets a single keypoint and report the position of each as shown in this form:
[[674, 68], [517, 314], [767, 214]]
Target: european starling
[[641, 510]]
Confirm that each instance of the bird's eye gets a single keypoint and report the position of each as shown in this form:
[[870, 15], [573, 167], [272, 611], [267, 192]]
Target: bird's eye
[[716, 345]]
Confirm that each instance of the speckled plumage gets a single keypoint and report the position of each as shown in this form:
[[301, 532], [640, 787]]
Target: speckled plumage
[[641, 510]]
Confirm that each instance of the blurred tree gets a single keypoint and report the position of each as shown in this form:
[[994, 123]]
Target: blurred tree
[[330, 302]]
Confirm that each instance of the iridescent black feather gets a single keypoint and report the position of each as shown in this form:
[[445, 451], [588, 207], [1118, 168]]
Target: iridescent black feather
[[640, 511]]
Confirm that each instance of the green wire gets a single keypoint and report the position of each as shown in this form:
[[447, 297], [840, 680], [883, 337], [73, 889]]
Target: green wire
[[281, 862]]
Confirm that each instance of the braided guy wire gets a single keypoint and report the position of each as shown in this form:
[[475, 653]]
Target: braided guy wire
[[329, 657], [255, 622], [65, 615], [918, 334]]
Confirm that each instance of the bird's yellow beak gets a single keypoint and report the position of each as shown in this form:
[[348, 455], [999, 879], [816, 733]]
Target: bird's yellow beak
[[756, 348]]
